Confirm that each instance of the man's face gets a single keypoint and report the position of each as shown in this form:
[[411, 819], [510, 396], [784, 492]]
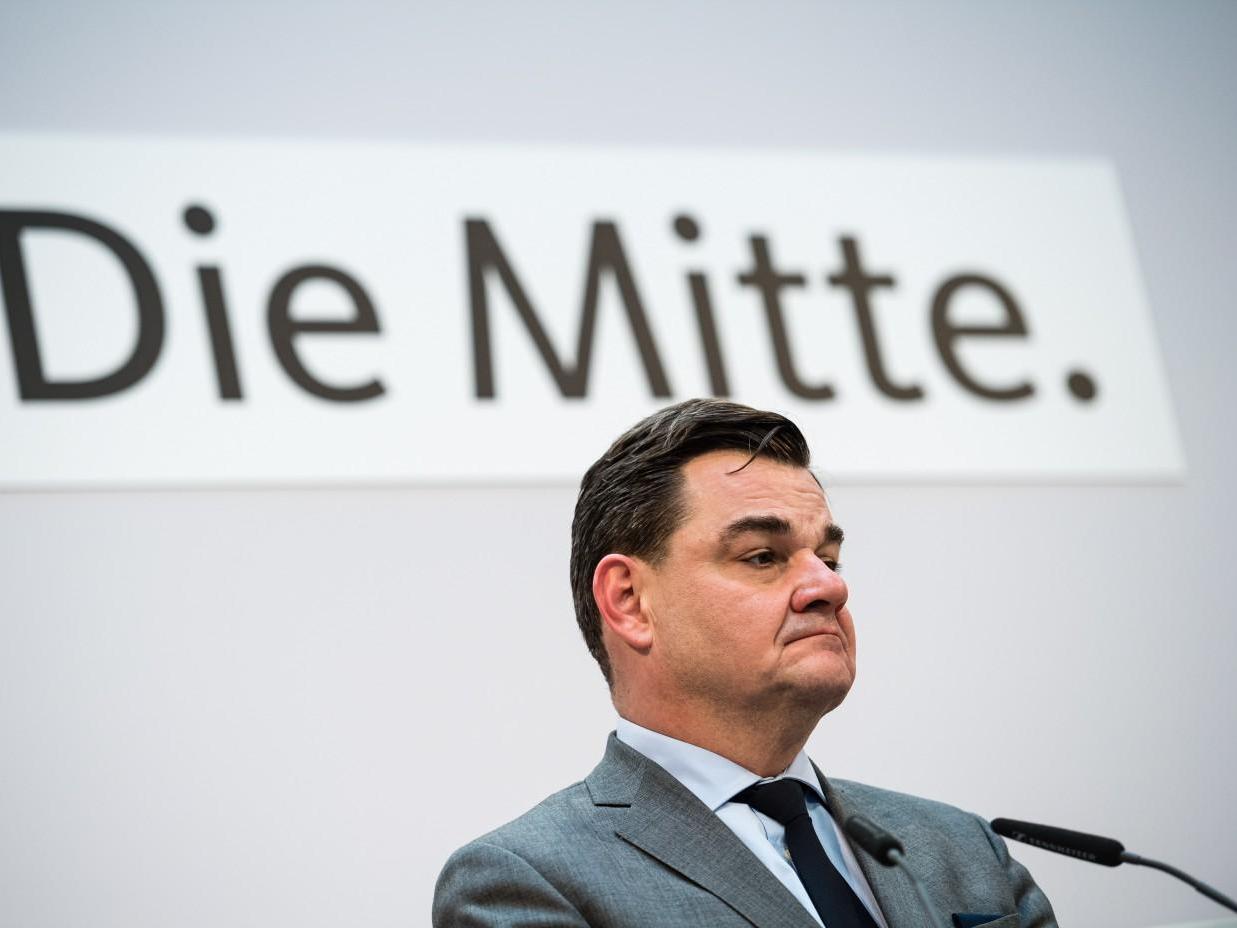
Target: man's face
[[747, 607]]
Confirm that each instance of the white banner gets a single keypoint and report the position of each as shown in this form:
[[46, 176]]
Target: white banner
[[187, 312]]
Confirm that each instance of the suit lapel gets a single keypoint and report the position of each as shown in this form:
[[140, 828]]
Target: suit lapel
[[669, 823], [892, 890]]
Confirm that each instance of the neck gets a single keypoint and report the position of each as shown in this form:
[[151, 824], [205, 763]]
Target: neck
[[764, 742]]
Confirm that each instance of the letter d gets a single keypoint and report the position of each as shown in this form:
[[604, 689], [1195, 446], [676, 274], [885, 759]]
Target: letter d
[[32, 383]]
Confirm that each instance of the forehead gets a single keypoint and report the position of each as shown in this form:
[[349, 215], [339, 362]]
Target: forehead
[[716, 492]]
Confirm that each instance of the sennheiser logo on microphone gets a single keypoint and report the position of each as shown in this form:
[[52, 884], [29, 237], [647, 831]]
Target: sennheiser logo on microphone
[[1049, 846]]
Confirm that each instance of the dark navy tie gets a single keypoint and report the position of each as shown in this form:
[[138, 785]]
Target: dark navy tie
[[835, 901]]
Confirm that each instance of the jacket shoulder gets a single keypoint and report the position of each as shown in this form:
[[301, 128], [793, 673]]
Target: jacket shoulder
[[558, 814], [509, 875], [541, 867]]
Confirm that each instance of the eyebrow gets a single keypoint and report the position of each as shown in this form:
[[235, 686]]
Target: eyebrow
[[775, 525]]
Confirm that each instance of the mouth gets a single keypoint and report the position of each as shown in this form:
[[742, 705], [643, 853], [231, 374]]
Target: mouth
[[807, 633]]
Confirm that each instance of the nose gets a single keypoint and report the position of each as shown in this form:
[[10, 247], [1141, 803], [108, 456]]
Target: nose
[[818, 588]]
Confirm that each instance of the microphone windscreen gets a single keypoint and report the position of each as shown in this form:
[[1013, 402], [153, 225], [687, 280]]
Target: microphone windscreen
[[1098, 850], [873, 839]]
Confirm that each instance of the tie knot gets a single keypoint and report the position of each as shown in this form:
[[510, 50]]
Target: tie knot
[[781, 800]]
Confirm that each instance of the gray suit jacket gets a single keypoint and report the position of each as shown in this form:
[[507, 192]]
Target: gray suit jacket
[[631, 846]]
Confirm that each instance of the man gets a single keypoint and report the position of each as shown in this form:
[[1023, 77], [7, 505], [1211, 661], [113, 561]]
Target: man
[[704, 568]]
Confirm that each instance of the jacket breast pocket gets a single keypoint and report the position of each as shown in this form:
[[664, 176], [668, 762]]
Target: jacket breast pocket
[[1005, 921]]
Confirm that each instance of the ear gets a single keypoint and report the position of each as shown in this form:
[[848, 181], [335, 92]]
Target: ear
[[616, 590]]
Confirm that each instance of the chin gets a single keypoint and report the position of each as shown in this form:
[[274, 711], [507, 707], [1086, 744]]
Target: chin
[[822, 692], [827, 662]]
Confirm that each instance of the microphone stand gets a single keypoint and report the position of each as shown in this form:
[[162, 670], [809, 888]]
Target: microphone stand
[[1213, 894], [898, 859], [888, 850]]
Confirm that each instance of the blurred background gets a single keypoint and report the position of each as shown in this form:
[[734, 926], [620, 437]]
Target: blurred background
[[246, 706]]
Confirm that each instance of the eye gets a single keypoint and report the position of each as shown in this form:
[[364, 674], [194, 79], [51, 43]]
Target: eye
[[763, 558], [832, 563]]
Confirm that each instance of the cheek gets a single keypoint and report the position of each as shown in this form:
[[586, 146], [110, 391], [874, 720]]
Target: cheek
[[847, 623], [724, 620]]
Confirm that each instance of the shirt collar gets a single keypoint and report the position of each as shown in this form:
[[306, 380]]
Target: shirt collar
[[711, 778]]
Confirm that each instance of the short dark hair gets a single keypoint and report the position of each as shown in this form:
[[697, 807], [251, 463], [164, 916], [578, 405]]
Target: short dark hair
[[630, 500]]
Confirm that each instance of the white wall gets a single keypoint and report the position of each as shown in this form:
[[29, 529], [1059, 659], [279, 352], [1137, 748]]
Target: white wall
[[287, 707]]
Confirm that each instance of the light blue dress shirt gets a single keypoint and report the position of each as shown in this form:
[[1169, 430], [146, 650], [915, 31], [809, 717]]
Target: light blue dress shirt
[[713, 780]]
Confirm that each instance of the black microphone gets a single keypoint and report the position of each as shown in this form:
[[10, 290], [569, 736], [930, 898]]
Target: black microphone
[[1096, 849], [888, 850], [875, 840]]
